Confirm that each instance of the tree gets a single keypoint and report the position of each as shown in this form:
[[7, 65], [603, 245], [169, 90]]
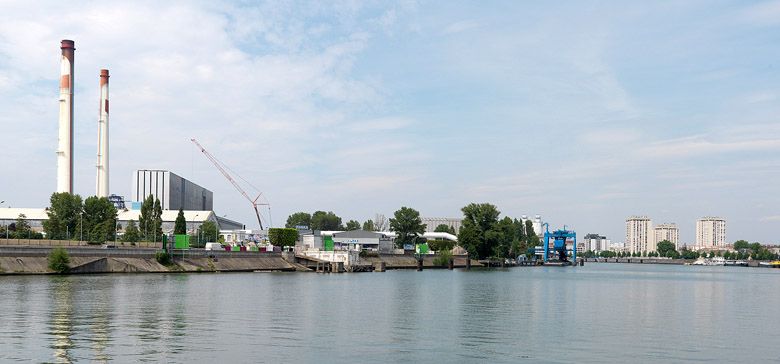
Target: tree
[[63, 212], [180, 226], [380, 222], [282, 237], [741, 245], [665, 247], [444, 228], [353, 225], [58, 259], [530, 235], [327, 221], [131, 232], [407, 225], [208, 231], [157, 221], [368, 225], [146, 219], [99, 219], [23, 229], [298, 219], [505, 235], [476, 233]]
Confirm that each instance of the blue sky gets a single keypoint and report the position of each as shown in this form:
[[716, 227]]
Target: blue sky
[[583, 112]]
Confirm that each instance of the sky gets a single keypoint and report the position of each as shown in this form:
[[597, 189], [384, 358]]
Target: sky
[[583, 112]]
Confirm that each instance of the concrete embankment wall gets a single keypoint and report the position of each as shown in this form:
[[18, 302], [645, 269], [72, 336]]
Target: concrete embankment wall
[[72, 243], [637, 260], [29, 260], [394, 261]]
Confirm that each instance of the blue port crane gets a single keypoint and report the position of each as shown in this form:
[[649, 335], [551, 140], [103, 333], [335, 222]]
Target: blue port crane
[[559, 237]]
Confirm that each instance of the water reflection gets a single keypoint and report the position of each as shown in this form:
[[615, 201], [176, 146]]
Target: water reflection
[[61, 319]]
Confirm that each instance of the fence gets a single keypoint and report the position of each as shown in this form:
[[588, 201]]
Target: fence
[[74, 243]]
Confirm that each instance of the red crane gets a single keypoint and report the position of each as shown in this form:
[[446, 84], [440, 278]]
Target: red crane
[[235, 184]]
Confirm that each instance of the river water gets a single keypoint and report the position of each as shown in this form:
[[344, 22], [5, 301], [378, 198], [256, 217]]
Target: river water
[[598, 313]]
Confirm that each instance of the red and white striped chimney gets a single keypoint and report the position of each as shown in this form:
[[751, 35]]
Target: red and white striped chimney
[[65, 139]]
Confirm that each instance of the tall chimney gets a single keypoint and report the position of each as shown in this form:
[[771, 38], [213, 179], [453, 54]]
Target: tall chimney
[[65, 145], [102, 154]]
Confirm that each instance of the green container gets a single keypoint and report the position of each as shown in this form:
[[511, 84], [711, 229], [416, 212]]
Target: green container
[[181, 241], [236, 248], [253, 248], [328, 242]]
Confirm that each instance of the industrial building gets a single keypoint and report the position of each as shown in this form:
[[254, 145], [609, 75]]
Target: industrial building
[[173, 191]]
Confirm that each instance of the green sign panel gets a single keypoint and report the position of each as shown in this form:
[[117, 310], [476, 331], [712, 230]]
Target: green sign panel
[[328, 242], [181, 241], [422, 248]]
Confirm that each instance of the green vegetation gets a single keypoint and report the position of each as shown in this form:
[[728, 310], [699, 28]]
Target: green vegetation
[[180, 226], [63, 214], [483, 235], [444, 228], [208, 232], [150, 221], [407, 225], [163, 258], [442, 258], [327, 221], [58, 260], [132, 234], [282, 236], [755, 251], [368, 225], [368, 253], [99, 219], [438, 245], [665, 248], [352, 225], [298, 219]]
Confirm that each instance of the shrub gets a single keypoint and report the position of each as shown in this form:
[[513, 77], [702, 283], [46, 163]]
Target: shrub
[[162, 258], [282, 236], [442, 258], [59, 260]]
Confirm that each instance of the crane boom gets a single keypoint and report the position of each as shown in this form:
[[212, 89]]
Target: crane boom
[[232, 181]]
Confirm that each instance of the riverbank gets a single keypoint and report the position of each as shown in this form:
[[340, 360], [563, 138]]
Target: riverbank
[[89, 259]]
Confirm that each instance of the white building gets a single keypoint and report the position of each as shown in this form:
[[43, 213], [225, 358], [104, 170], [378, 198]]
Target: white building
[[639, 234], [536, 222], [710, 232], [667, 231], [593, 242]]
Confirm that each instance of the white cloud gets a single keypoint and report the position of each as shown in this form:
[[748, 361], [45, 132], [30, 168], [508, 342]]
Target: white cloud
[[763, 13]]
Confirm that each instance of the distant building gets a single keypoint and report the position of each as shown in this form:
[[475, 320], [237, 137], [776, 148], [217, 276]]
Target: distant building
[[710, 232], [639, 236], [432, 222], [173, 191], [363, 240], [536, 223], [668, 231], [593, 242]]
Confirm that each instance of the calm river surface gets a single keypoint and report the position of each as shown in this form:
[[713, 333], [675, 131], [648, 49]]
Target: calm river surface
[[597, 313]]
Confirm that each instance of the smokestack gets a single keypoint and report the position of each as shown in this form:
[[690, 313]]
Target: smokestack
[[102, 154], [65, 145]]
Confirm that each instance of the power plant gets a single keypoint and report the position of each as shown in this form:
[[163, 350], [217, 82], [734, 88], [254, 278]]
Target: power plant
[[65, 145]]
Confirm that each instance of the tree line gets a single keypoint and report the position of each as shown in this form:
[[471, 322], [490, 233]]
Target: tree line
[[482, 233]]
